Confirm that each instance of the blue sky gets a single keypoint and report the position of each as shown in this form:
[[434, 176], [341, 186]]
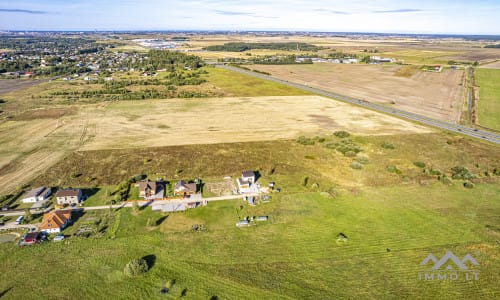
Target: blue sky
[[425, 16]]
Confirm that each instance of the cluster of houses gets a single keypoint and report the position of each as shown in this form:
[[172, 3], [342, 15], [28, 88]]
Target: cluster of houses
[[190, 193]]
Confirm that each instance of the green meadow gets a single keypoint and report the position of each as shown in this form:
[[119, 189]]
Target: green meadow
[[488, 106]]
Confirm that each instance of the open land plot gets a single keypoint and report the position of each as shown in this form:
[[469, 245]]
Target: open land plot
[[488, 105], [28, 148], [494, 65], [283, 161], [10, 85], [220, 120], [436, 95]]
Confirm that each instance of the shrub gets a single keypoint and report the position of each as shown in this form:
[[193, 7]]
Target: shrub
[[356, 165], [387, 145], [435, 172], [394, 169], [468, 185], [445, 179], [304, 141], [350, 154], [362, 159], [136, 267], [459, 172], [341, 134], [419, 164]]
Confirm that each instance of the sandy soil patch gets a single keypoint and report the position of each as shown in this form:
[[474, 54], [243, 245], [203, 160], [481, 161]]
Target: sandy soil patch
[[436, 95]]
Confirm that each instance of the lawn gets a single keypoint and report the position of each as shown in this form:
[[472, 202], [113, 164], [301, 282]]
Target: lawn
[[293, 255], [234, 84], [488, 106]]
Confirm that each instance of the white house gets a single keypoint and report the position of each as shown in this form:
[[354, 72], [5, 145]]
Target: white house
[[69, 196], [38, 194], [246, 183]]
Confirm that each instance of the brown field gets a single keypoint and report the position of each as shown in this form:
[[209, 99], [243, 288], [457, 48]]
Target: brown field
[[27, 150], [494, 65], [10, 85], [437, 95], [220, 120]]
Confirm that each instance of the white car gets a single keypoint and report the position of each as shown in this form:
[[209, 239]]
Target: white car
[[58, 238]]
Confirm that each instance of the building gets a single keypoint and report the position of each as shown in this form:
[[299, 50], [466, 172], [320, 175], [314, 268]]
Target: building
[[151, 190], [246, 183], [35, 195], [55, 221], [69, 196], [185, 189]]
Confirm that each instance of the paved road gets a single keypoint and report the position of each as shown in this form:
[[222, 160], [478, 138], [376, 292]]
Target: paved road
[[472, 132]]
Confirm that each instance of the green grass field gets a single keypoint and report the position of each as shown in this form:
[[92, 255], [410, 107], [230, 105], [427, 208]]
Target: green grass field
[[488, 106], [292, 256], [238, 85]]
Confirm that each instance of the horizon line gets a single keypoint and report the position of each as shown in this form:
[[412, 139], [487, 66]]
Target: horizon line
[[246, 30]]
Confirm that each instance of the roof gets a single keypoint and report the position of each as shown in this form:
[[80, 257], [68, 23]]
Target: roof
[[248, 174], [34, 192], [191, 187], [68, 193], [55, 219], [149, 184]]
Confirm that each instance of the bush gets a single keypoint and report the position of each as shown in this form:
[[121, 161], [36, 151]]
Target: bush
[[468, 185], [356, 165], [445, 179], [435, 172], [304, 141], [136, 267], [419, 164], [350, 154], [341, 134], [387, 145], [362, 159], [394, 169], [459, 172]]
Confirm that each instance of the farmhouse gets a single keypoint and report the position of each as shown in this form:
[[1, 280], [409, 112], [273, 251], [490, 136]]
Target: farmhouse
[[69, 196], [151, 190], [38, 194], [55, 221], [185, 189], [246, 183]]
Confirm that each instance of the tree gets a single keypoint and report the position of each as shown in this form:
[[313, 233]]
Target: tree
[[27, 215], [136, 267]]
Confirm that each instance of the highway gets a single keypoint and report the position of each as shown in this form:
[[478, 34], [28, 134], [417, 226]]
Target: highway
[[468, 131]]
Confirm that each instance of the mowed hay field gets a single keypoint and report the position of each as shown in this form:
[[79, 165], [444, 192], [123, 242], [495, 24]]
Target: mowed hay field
[[221, 120], [488, 106], [436, 95], [28, 149]]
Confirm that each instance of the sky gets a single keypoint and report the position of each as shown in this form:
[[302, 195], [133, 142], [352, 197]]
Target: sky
[[424, 16]]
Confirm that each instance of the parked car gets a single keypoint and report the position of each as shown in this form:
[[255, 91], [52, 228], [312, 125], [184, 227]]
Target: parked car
[[58, 238]]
